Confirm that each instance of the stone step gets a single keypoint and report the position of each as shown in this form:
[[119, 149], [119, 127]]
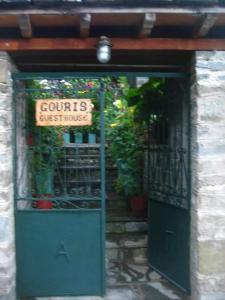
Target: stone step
[[125, 215], [122, 255], [134, 240], [114, 203], [127, 247], [126, 226]]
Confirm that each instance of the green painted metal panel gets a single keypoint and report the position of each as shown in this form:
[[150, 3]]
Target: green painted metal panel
[[58, 254], [169, 243]]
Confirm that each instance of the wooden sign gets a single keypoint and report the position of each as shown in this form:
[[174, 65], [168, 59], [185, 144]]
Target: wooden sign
[[63, 112]]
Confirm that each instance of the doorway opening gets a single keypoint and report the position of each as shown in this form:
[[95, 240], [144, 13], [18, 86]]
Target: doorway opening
[[148, 212], [125, 173]]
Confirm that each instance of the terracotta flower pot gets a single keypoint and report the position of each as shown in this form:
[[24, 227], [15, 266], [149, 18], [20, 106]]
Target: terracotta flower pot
[[30, 141], [44, 204], [138, 203]]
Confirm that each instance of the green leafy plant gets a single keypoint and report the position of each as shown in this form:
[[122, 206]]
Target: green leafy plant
[[45, 154], [126, 148], [147, 99], [131, 116]]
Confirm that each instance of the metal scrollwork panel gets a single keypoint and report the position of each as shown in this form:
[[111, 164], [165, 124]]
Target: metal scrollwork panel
[[168, 158], [54, 168]]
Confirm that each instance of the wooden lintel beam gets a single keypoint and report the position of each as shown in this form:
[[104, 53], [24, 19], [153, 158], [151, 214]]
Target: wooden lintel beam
[[147, 25], [85, 24], [117, 44], [25, 26], [207, 21]]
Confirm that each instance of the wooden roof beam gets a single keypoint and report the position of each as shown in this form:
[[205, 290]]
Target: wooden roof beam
[[25, 26], [85, 25], [203, 27], [147, 25], [49, 44]]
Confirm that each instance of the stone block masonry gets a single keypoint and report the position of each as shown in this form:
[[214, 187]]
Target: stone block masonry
[[7, 243], [208, 176]]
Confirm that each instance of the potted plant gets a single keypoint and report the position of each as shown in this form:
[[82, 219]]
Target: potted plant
[[78, 136], [129, 184], [93, 130], [43, 176], [45, 154], [66, 137], [126, 148], [88, 134], [91, 138], [44, 185]]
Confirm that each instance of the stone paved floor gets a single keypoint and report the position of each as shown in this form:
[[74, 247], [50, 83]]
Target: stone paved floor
[[133, 282], [144, 291], [138, 282]]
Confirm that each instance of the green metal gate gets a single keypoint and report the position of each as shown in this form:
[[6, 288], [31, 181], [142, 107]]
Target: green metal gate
[[169, 184], [59, 192]]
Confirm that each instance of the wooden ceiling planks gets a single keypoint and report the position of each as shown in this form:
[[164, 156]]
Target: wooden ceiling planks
[[117, 19], [86, 60], [8, 21], [107, 20], [174, 19], [55, 21], [220, 20], [134, 23], [197, 24]]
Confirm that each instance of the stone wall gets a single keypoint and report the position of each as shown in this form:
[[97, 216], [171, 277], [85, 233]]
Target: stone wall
[[208, 176], [7, 245]]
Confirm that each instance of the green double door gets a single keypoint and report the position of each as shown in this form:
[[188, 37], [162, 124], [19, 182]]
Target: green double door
[[169, 186], [59, 192]]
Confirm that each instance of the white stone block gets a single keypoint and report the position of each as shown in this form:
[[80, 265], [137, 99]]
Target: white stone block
[[136, 226], [208, 200], [209, 284], [4, 228], [4, 70], [211, 226], [212, 296], [10, 295]]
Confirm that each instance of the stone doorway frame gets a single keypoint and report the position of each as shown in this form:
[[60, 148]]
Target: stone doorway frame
[[208, 164]]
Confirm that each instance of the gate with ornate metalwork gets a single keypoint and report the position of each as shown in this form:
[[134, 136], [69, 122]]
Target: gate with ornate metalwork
[[59, 189], [169, 184]]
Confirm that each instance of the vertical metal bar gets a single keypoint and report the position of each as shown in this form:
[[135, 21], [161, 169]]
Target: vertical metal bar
[[189, 169], [182, 145], [103, 193], [189, 127], [14, 143]]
